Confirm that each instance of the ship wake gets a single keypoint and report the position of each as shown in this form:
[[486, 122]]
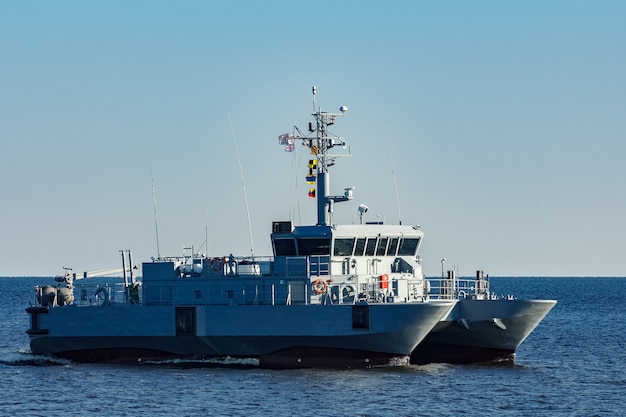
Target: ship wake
[[218, 362], [27, 358]]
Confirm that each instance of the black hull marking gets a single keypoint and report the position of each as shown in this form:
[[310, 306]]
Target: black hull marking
[[293, 358], [115, 355], [459, 354], [311, 357]]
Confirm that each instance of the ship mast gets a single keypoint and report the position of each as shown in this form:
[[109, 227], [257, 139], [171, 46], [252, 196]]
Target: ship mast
[[320, 145]]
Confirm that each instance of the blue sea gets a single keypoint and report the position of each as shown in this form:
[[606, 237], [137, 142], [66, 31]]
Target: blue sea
[[573, 364]]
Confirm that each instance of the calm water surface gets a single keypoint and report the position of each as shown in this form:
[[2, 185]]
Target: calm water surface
[[571, 365]]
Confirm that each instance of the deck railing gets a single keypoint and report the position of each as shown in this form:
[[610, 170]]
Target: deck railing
[[455, 288], [219, 292]]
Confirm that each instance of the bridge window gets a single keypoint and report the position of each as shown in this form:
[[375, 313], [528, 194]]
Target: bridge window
[[408, 246], [393, 246], [360, 246], [284, 247], [382, 246], [343, 247], [308, 247], [370, 248]]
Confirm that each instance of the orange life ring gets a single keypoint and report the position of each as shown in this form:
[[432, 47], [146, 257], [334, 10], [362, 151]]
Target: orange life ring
[[319, 286]]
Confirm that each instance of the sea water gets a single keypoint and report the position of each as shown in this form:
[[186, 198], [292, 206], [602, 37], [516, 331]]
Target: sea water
[[573, 364]]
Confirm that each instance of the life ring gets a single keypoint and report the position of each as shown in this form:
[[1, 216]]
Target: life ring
[[319, 286], [105, 295]]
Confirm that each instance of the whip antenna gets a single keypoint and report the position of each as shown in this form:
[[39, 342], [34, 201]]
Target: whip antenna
[[395, 185], [156, 223], [243, 185]]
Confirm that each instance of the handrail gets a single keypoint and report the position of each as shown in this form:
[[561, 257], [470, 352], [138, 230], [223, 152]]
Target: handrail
[[343, 289], [458, 288]]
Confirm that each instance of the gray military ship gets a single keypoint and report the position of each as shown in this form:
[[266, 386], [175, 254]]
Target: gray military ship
[[331, 295], [482, 326]]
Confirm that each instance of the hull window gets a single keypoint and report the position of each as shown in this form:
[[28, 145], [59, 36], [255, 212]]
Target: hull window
[[360, 317], [185, 321]]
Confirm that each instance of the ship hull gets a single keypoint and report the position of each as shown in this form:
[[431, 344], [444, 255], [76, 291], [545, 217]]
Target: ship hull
[[481, 331], [278, 336]]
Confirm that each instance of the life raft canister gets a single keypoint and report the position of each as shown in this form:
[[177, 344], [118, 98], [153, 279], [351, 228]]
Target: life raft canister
[[384, 281], [217, 263]]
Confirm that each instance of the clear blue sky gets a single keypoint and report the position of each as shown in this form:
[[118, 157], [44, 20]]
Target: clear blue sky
[[506, 123]]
